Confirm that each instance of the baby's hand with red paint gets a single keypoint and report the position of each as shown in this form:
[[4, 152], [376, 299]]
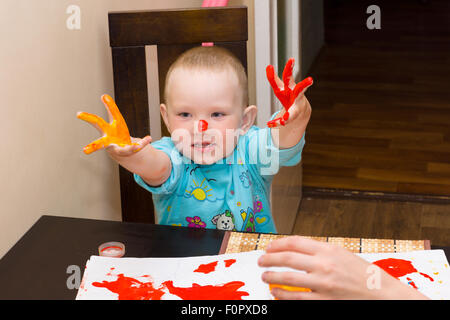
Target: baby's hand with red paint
[[330, 272], [290, 95]]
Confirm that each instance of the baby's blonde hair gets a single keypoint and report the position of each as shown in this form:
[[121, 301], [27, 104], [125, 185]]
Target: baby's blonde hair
[[212, 59]]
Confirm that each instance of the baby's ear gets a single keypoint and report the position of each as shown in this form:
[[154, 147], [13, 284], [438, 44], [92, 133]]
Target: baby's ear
[[248, 118], [163, 110]]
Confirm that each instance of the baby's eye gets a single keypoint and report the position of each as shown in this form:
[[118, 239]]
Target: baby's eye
[[217, 114], [184, 114]]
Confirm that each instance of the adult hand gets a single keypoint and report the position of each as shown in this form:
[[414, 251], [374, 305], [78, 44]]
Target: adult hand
[[331, 272]]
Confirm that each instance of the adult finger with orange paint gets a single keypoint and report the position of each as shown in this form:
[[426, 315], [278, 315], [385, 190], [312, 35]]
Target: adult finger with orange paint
[[134, 154]]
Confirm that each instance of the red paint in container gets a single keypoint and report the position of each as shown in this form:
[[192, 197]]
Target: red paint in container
[[112, 249]]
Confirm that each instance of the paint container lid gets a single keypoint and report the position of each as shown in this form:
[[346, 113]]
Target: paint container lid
[[112, 249]]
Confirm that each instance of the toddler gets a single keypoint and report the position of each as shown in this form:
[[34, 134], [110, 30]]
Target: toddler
[[216, 169]]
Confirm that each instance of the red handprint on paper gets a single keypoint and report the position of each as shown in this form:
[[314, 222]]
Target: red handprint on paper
[[286, 91]]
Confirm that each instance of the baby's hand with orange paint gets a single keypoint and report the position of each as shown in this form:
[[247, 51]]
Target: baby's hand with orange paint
[[153, 165], [116, 137]]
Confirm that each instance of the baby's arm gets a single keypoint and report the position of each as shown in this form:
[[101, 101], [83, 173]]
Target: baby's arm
[[294, 129], [152, 165]]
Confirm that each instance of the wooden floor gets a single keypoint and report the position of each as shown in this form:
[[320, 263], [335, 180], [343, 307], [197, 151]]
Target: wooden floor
[[381, 100], [374, 219]]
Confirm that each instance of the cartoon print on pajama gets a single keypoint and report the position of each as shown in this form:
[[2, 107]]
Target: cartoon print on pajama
[[224, 221]]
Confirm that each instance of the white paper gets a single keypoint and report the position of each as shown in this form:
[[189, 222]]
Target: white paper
[[179, 270]]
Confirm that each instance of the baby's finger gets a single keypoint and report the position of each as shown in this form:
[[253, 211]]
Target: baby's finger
[[301, 87], [110, 105], [139, 144], [270, 73], [94, 146], [287, 72], [96, 121], [143, 142]]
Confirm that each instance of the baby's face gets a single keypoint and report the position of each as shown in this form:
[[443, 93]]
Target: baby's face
[[204, 113]]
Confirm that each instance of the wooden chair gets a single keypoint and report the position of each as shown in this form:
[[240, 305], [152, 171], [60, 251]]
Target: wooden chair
[[173, 32]]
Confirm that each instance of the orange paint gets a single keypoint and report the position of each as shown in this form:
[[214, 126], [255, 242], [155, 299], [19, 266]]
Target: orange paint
[[116, 132], [288, 288], [207, 268]]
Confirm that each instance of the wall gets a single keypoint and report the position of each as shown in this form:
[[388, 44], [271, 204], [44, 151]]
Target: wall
[[48, 74]]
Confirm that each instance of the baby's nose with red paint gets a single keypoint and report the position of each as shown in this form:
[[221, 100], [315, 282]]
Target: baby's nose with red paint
[[202, 125]]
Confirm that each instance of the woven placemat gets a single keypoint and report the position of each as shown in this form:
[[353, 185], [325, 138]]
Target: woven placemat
[[235, 242]]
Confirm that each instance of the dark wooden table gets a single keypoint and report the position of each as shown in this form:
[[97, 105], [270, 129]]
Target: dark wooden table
[[36, 266]]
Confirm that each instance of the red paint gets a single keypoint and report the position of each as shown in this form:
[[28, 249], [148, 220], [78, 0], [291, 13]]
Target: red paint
[[410, 282], [229, 262], [399, 268], [112, 248], [131, 289], [227, 291], [396, 267], [427, 276], [207, 268], [110, 272], [286, 96], [202, 125]]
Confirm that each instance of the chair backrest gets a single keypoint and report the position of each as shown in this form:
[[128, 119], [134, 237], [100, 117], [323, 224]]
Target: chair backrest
[[173, 32]]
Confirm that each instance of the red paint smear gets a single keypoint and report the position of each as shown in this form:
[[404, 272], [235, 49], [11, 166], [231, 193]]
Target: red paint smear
[[396, 267], [131, 289], [427, 276], [112, 247], [411, 283], [229, 262], [399, 268], [207, 268], [227, 291], [202, 125]]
